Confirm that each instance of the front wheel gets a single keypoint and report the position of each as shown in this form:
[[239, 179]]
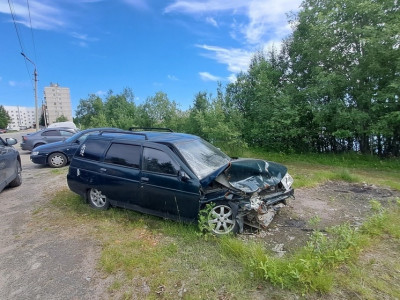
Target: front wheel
[[222, 220], [97, 200], [57, 160]]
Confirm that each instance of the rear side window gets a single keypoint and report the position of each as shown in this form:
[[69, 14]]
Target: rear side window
[[125, 155], [66, 133], [159, 162], [51, 133], [93, 149]]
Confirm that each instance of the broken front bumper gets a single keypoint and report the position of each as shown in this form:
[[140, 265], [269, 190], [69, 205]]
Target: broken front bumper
[[260, 210]]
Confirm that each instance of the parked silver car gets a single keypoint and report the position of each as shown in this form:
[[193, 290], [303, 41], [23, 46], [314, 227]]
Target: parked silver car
[[46, 136]]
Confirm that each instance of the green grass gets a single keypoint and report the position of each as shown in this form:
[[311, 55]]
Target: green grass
[[151, 258], [173, 259], [63, 170], [160, 252]]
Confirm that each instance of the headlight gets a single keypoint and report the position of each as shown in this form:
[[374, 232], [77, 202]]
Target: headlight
[[287, 181], [35, 153]]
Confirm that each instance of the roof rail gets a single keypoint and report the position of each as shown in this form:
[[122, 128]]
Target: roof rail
[[151, 129], [125, 132]]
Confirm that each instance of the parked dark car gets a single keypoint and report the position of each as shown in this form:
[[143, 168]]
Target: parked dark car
[[59, 154], [10, 164], [175, 175], [46, 136]]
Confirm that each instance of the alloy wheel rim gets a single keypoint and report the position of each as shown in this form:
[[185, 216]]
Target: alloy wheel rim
[[221, 219]]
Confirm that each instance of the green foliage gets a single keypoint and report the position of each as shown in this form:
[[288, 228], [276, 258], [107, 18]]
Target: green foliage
[[4, 117], [62, 118], [341, 55], [204, 227], [115, 111], [159, 111], [213, 120]]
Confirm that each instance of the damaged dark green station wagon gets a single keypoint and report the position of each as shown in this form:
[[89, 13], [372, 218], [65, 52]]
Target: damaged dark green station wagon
[[175, 175]]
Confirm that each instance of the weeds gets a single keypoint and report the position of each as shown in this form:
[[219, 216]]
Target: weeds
[[205, 227], [314, 221]]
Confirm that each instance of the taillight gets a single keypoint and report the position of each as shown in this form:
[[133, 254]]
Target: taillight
[[24, 138]]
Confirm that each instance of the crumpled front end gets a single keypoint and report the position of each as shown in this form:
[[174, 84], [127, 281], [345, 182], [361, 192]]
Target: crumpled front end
[[260, 188]]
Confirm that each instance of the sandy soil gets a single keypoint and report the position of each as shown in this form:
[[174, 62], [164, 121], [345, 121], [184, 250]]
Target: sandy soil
[[39, 261]]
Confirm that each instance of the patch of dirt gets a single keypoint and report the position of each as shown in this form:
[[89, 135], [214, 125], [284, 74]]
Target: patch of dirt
[[330, 204]]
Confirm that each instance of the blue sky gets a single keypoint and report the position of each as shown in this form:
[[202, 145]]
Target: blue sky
[[92, 46]]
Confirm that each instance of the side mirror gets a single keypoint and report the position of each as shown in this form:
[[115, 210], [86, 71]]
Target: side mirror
[[183, 176], [11, 141]]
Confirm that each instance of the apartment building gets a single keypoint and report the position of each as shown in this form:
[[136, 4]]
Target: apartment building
[[58, 103], [21, 117]]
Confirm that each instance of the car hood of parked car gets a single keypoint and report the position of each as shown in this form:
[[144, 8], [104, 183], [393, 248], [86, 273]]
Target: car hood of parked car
[[248, 175]]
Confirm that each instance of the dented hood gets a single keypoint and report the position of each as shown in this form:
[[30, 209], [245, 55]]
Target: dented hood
[[251, 175]]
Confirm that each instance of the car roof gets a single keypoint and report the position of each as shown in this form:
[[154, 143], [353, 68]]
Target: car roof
[[150, 136], [111, 129]]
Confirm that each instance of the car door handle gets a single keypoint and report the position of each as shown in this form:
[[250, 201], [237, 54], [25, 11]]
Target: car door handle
[[144, 179], [103, 170]]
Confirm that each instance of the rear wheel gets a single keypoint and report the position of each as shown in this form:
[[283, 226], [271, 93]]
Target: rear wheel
[[97, 200], [222, 219], [17, 180], [57, 160]]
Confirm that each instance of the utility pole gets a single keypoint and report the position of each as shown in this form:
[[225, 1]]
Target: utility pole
[[35, 78]]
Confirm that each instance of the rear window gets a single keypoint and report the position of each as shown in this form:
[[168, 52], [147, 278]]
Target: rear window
[[92, 149], [51, 133], [125, 155], [66, 133]]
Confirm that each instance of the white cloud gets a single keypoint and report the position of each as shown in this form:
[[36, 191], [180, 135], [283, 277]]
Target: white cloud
[[100, 93], [172, 77], [262, 18], [83, 39], [232, 78], [44, 14], [237, 60], [212, 21], [205, 76], [257, 24], [12, 83], [194, 7]]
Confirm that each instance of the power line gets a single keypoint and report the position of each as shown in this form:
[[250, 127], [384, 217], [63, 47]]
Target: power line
[[15, 24], [30, 23], [12, 11]]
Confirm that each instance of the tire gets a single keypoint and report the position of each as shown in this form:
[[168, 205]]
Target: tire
[[17, 180], [97, 200], [222, 219], [57, 160]]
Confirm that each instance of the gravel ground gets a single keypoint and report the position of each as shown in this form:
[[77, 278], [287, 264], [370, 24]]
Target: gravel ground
[[37, 262]]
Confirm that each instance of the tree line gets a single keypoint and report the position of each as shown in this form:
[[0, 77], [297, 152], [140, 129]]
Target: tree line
[[333, 86]]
